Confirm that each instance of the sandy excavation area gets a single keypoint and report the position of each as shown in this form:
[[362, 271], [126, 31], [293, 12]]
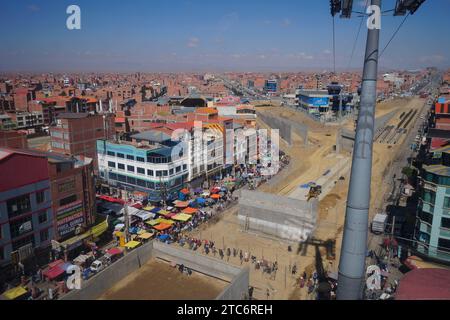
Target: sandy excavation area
[[307, 164], [157, 280]]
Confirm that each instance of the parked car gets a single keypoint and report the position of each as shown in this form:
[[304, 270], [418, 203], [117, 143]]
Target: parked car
[[97, 266]]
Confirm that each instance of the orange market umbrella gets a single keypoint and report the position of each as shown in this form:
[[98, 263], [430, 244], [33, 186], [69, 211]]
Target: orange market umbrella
[[184, 191], [215, 196]]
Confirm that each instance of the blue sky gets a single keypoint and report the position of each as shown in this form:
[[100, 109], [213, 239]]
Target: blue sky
[[210, 35]]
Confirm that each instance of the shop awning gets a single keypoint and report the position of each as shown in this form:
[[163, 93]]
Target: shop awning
[[15, 293], [182, 217], [132, 244], [189, 210], [162, 226]]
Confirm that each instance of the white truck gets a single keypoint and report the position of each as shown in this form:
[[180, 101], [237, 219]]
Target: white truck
[[379, 223]]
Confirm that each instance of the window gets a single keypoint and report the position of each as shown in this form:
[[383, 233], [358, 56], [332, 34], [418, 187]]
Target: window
[[170, 172], [426, 217], [120, 155], [131, 180], [111, 164], [68, 200], [178, 169], [44, 235], [112, 154], [429, 196], [23, 242], [141, 183], [150, 172], [40, 196], [130, 168], [57, 145], [2, 254], [42, 217], [20, 226], [140, 159], [150, 185], [122, 178], [445, 223], [112, 176], [140, 170], [18, 205], [444, 244], [446, 202], [129, 157], [121, 166], [165, 173], [158, 173], [184, 166]]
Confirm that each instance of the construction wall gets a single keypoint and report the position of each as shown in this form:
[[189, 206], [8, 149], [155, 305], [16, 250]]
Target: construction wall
[[346, 138], [281, 217], [237, 277], [285, 126], [104, 280]]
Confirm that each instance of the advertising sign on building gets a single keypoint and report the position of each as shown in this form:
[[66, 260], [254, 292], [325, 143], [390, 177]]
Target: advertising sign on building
[[69, 217]]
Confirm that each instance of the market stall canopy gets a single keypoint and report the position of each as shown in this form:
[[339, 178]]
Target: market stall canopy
[[146, 235], [198, 190], [182, 204], [425, 284], [132, 244], [137, 205], [167, 221], [144, 215], [163, 212], [184, 191], [114, 251], [153, 222], [215, 190], [110, 199], [15, 293], [148, 208], [189, 210], [215, 196], [182, 217], [163, 237], [119, 226], [206, 194], [54, 272], [155, 210], [162, 226]]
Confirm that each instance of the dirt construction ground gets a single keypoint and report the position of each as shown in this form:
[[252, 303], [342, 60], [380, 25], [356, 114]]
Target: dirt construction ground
[[307, 164], [157, 280]]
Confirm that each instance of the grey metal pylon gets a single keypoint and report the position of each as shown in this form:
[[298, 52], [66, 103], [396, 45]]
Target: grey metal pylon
[[354, 242]]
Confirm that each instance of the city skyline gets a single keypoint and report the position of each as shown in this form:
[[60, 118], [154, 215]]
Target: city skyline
[[130, 37]]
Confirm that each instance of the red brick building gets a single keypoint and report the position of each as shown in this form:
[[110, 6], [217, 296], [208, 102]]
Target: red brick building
[[13, 139], [77, 133]]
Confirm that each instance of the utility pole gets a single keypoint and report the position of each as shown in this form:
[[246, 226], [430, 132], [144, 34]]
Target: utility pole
[[354, 242]]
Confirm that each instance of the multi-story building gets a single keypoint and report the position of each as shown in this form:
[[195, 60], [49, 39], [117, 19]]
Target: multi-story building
[[27, 120], [26, 216], [433, 216], [144, 164], [43, 197], [77, 133], [315, 102]]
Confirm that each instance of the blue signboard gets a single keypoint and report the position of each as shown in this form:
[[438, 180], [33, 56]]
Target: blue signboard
[[441, 100], [318, 102]]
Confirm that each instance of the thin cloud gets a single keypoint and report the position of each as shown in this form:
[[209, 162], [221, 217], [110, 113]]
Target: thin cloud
[[193, 42], [33, 8], [286, 22]]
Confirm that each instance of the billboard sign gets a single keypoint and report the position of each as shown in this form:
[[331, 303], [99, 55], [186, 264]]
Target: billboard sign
[[69, 217]]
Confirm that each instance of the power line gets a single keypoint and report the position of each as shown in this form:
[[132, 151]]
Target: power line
[[395, 33], [357, 36], [334, 49]]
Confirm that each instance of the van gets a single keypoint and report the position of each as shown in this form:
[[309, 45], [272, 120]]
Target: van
[[378, 225]]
